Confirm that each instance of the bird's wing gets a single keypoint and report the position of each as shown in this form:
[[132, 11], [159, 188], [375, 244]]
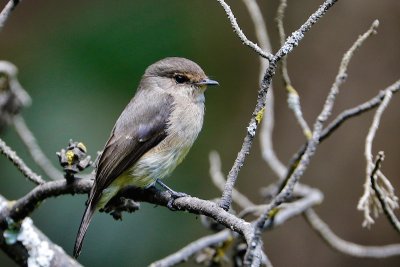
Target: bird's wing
[[141, 126]]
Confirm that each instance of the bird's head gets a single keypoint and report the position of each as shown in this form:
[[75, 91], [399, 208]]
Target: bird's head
[[178, 75]]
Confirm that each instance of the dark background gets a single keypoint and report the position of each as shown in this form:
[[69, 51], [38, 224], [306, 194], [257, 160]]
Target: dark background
[[81, 62]]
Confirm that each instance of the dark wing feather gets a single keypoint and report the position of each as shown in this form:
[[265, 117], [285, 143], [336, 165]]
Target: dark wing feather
[[141, 126]]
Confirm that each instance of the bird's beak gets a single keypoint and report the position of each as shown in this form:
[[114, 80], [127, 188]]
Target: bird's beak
[[207, 81]]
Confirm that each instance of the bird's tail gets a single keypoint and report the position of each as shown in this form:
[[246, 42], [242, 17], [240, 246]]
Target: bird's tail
[[87, 217]]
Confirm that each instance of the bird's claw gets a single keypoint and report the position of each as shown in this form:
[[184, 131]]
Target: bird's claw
[[174, 196]]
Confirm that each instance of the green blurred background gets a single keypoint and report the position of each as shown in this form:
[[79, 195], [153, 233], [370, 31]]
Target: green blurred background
[[81, 62]]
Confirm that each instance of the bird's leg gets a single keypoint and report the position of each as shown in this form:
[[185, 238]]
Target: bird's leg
[[174, 194]]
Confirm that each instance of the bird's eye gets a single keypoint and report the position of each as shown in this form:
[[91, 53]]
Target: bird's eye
[[181, 78]]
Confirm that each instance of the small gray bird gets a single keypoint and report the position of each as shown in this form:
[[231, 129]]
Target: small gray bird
[[152, 135]]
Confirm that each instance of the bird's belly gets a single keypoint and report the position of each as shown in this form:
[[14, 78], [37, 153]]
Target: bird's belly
[[159, 164], [156, 165], [149, 168]]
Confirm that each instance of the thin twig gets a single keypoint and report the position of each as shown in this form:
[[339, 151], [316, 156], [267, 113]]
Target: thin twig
[[219, 181], [189, 250], [259, 25], [317, 131], [293, 100], [34, 149], [346, 247], [287, 190], [5, 13], [19, 163], [381, 195], [344, 116], [339, 80], [268, 151], [369, 202], [11, 71], [305, 198], [293, 40], [372, 133], [352, 112], [280, 14], [267, 148], [308, 198], [240, 33], [342, 74], [293, 97]]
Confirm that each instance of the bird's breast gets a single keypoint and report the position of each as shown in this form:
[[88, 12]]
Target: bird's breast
[[184, 125]]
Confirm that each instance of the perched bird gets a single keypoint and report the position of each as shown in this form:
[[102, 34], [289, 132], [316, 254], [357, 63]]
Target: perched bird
[[152, 135]]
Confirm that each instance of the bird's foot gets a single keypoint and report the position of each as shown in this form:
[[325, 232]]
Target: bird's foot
[[174, 195]]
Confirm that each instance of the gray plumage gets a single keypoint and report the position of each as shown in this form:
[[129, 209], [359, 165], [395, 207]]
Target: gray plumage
[[152, 135]]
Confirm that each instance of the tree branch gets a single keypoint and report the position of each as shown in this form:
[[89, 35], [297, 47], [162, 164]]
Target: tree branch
[[19, 163], [358, 110], [34, 149], [24, 206], [258, 112], [346, 247], [288, 187], [240, 33], [185, 253], [5, 13], [268, 151], [219, 181], [382, 195], [377, 198], [280, 14], [293, 40], [293, 98], [342, 117], [339, 80], [28, 246]]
